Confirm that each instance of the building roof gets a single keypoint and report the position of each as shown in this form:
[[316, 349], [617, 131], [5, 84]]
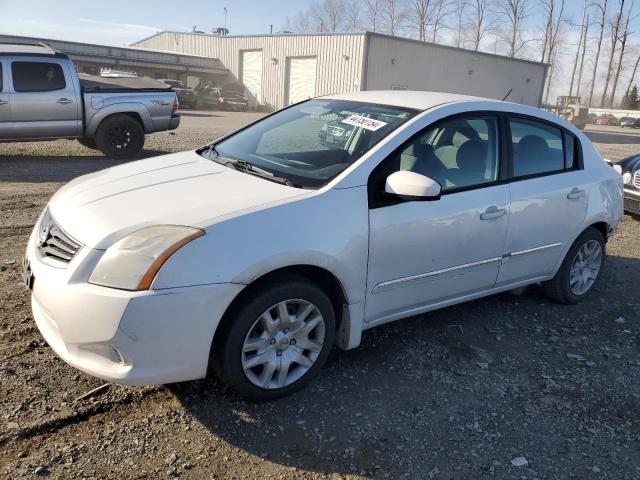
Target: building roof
[[330, 34], [406, 98], [26, 49]]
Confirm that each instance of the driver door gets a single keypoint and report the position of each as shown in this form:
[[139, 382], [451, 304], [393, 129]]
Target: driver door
[[425, 253]]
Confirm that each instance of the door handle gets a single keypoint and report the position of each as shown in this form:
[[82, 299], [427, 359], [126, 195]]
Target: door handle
[[492, 213], [3, 102], [64, 101], [575, 193]]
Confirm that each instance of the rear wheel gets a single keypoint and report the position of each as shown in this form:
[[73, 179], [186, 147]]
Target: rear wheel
[[120, 136], [277, 341], [580, 269]]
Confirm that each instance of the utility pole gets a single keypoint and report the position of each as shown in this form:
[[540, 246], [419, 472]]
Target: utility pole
[[225, 18]]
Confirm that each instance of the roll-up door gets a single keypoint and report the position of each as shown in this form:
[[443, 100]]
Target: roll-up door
[[252, 76], [302, 79]]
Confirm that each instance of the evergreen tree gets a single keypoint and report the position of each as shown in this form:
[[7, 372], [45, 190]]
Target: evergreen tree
[[632, 100]]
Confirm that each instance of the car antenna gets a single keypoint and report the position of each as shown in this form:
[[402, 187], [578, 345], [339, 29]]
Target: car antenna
[[507, 95]]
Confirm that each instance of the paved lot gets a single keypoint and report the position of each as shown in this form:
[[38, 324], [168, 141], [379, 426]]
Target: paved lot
[[457, 393]]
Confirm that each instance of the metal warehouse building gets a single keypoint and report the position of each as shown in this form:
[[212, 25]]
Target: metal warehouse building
[[89, 58], [278, 70]]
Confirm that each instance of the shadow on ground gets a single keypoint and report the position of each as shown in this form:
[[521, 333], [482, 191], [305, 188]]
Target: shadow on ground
[[44, 168], [462, 390]]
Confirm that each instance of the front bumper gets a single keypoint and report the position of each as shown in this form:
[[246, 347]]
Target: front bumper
[[632, 201], [174, 122], [131, 338]]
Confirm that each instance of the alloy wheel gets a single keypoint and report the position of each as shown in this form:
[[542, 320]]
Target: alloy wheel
[[585, 267], [283, 344]]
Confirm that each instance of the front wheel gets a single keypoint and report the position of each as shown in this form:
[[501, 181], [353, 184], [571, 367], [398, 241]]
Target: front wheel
[[120, 136], [277, 341], [580, 269]]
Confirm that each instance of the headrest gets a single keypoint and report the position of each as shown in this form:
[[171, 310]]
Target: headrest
[[533, 145], [472, 156]]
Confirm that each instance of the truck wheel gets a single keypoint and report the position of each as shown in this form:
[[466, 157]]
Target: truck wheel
[[120, 136], [88, 142]]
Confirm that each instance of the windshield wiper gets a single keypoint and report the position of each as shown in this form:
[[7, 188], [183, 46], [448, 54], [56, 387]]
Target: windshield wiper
[[244, 166]]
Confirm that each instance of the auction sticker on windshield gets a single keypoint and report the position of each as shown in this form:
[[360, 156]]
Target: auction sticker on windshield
[[364, 122]]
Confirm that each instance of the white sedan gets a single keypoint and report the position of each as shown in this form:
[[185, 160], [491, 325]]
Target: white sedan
[[258, 253]]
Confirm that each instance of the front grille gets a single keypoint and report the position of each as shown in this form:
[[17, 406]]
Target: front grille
[[55, 243], [636, 179]]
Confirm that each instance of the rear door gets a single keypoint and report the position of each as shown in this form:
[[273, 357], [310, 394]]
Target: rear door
[[548, 190], [5, 103], [44, 103]]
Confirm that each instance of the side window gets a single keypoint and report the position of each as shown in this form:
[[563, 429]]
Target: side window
[[456, 153], [37, 77], [537, 148], [0, 77]]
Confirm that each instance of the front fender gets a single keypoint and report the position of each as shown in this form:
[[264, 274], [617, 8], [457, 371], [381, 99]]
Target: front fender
[[327, 230]]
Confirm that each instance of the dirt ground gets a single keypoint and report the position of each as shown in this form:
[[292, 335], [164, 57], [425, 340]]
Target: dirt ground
[[459, 394]]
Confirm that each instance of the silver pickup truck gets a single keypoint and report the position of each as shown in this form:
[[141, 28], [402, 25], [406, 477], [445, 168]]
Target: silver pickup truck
[[43, 98]]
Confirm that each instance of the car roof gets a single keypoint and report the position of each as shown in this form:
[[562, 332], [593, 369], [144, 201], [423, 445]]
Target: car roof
[[406, 98]]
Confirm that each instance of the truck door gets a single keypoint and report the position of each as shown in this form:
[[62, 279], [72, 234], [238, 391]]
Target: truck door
[[44, 103], [5, 105]]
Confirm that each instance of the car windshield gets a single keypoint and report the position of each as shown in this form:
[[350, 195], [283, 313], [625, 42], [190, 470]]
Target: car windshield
[[311, 143]]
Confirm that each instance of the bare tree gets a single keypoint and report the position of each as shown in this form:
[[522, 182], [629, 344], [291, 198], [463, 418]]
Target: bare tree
[[633, 76], [603, 10], [615, 31], [459, 25], [514, 13], [328, 14], [623, 44], [353, 15], [554, 15], [372, 14], [582, 34], [480, 22], [442, 9], [584, 50], [419, 16], [393, 16]]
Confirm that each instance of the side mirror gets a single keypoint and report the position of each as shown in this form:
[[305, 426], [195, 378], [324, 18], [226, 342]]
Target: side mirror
[[412, 186]]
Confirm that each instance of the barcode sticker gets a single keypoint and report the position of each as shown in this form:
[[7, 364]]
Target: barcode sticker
[[364, 122]]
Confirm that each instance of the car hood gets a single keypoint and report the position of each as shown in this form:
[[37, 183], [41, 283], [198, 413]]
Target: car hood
[[180, 189]]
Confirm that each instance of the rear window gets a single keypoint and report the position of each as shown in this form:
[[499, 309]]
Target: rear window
[[37, 77]]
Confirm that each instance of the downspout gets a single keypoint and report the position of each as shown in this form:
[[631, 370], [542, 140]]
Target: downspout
[[365, 61]]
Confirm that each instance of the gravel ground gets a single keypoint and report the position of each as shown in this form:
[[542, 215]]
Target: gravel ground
[[503, 387]]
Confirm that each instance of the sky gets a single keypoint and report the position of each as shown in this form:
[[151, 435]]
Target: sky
[[122, 22], [118, 22]]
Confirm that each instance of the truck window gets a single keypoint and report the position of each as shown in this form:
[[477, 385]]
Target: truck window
[[37, 77]]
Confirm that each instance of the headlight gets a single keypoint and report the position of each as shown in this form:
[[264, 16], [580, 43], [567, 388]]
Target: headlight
[[618, 169], [133, 262], [626, 178]]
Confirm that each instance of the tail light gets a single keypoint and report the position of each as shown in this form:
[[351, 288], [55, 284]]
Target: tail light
[[175, 106]]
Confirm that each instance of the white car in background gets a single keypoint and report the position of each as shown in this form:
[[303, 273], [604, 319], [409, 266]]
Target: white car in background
[[260, 252]]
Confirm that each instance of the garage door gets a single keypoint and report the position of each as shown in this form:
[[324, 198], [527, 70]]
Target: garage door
[[252, 76], [302, 79]]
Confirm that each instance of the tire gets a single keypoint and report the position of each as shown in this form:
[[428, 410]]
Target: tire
[[120, 136], [561, 288], [88, 142], [234, 365]]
